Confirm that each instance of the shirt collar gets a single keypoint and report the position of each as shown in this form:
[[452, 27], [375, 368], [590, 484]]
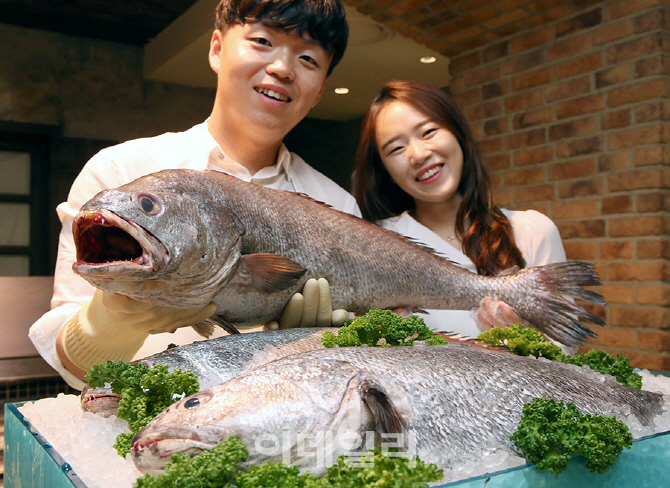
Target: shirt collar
[[218, 160]]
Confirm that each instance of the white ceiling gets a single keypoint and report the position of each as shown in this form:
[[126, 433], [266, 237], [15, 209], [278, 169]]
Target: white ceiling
[[374, 56]]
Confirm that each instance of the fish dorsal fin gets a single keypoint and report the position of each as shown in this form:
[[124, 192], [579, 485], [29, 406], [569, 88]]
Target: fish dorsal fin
[[272, 272], [387, 418]]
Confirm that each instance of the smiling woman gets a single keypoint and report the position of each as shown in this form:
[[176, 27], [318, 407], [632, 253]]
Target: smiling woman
[[420, 173]]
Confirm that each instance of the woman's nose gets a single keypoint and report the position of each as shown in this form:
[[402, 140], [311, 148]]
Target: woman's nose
[[418, 153]]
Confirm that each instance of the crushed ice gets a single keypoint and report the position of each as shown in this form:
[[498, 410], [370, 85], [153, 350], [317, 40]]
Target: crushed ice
[[85, 440]]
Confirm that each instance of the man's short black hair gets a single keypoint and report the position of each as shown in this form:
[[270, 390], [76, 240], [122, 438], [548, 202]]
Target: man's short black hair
[[323, 20]]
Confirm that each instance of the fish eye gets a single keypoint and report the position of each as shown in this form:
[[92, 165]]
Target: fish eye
[[149, 204], [195, 401]]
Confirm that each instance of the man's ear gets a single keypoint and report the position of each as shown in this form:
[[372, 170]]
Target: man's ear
[[318, 97], [215, 50]]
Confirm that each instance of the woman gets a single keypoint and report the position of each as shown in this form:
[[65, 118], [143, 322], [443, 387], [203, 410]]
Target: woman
[[420, 173]]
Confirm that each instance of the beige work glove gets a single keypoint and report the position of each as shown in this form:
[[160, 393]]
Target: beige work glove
[[115, 327], [495, 313], [311, 308]]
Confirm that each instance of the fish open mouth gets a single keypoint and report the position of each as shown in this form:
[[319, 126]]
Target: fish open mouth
[[103, 240]]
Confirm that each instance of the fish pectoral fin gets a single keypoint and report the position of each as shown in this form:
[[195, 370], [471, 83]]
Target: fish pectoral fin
[[204, 329], [224, 324], [387, 418], [271, 272]]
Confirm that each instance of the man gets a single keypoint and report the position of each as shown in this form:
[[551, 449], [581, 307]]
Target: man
[[272, 59]]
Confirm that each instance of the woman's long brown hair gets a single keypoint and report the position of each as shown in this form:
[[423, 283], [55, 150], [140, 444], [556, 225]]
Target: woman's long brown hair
[[489, 240]]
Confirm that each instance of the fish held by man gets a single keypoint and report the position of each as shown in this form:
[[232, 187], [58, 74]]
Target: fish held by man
[[451, 400], [216, 360], [184, 238]]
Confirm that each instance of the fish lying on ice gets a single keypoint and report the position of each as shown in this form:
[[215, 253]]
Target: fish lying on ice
[[185, 238], [216, 360], [447, 402]]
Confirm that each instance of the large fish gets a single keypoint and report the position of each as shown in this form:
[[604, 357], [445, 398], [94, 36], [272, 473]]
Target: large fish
[[215, 361], [185, 238], [446, 401]]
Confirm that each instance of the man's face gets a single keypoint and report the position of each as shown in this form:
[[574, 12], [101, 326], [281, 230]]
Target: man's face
[[267, 77]]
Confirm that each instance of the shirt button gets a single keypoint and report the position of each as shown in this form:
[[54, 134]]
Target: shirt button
[[220, 156]]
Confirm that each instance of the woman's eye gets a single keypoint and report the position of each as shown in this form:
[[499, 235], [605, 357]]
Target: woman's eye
[[395, 150], [429, 132]]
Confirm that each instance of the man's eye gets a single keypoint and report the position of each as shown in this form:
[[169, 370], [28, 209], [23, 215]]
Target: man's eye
[[262, 41], [309, 59]]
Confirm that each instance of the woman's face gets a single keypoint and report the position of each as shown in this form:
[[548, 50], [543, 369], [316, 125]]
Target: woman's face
[[423, 157]]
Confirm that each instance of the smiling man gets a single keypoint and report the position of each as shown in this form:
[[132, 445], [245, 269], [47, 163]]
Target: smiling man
[[272, 59]]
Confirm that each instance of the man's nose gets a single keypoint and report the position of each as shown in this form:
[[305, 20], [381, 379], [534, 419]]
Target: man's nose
[[281, 67]]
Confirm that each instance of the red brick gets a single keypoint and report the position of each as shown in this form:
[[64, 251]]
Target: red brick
[[468, 97], [617, 294], [582, 188], [651, 156], [577, 66], [653, 249], [486, 110], [460, 35], [579, 147], [523, 101], [612, 32], [505, 18], [547, 16], [639, 226], [582, 228], [640, 136], [658, 362], [617, 119], [651, 20], [638, 271], [615, 161], [654, 295], [657, 201], [652, 112], [464, 63], [496, 51], [654, 341], [575, 209], [533, 194], [541, 76], [502, 198], [624, 8], [612, 76], [616, 337], [531, 40], [496, 126], [579, 22], [498, 162], [526, 139], [616, 250], [572, 169], [638, 179], [580, 106], [526, 176], [616, 205], [533, 156], [573, 128], [519, 64], [655, 65], [569, 47], [495, 89], [491, 146], [639, 92], [568, 89], [636, 48], [581, 251], [531, 118]]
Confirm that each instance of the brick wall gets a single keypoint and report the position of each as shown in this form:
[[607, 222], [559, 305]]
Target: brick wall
[[570, 102], [573, 116]]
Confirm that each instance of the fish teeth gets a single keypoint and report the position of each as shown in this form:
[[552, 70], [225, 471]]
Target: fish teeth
[[429, 173], [273, 94]]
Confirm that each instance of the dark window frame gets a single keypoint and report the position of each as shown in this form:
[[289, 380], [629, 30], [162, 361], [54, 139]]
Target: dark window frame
[[36, 140]]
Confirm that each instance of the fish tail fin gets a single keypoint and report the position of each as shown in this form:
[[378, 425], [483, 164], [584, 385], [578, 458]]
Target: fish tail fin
[[551, 311]]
